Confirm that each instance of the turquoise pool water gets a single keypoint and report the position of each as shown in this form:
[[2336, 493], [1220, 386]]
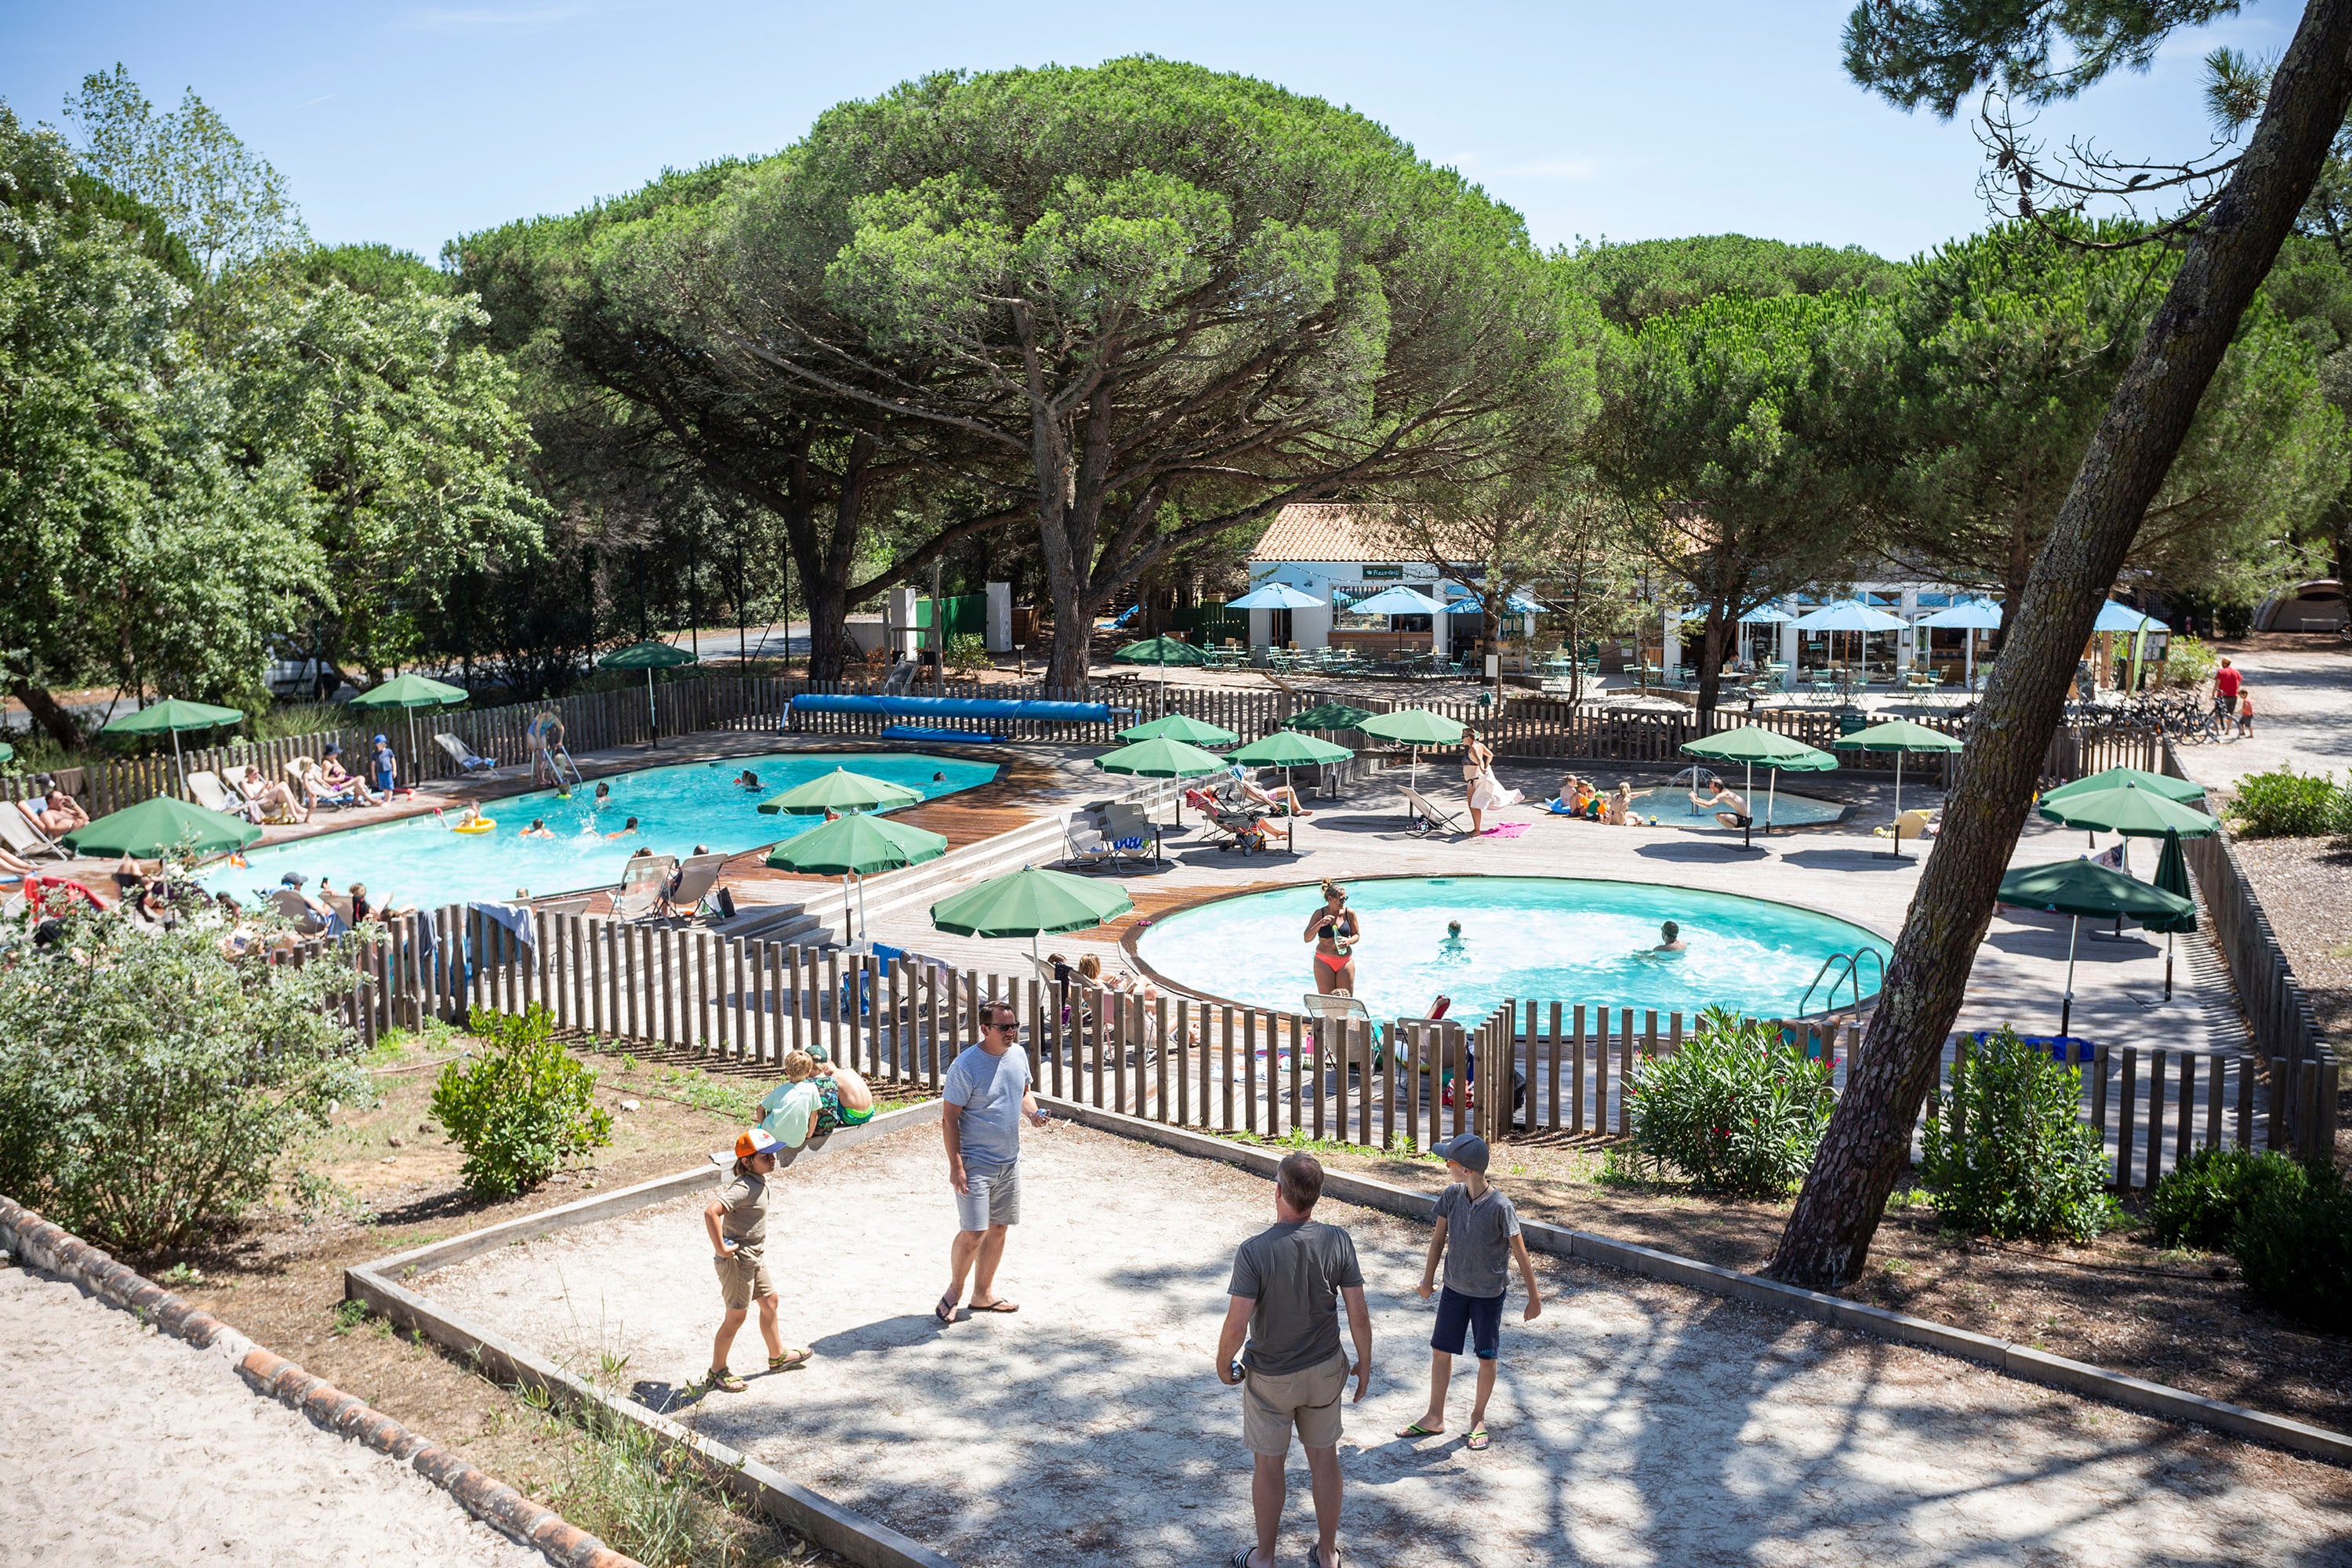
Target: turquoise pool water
[[1533, 938], [419, 861], [1672, 807]]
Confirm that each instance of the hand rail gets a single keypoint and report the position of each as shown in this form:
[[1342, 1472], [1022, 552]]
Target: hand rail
[[1852, 973]]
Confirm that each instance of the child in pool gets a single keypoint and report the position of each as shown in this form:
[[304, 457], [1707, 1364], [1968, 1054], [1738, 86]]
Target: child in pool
[[538, 829], [1453, 949], [747, 779]]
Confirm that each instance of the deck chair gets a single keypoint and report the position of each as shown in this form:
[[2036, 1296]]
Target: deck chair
[[1232, 827], [1083, 840], [697, 874], [259, 813], [641, 882], [578, 906], [1338, 1011], [464, 756], [304, 772], [1131, 835], [20, 834], [1428, 817], [215, 796], [298, 911]]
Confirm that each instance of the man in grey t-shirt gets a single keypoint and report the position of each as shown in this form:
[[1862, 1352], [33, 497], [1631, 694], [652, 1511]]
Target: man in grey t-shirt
[[1285, 1286], [986, 1093]]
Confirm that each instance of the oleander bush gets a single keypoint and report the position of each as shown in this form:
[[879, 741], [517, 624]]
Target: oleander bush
[[2202, 1202], [149, 1085], [2294, 1248], [2287, 804], [1736, 1109], [520, 1106], [2007, 1154]]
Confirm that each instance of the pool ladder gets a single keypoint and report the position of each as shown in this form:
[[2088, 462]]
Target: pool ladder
[[1848, 968]]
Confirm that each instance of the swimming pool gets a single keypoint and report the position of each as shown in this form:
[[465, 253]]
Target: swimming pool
[[1672, 807], [418, 861], [1571, 940]]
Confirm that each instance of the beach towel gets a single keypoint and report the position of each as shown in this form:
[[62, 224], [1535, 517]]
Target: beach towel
[[1506, 830]]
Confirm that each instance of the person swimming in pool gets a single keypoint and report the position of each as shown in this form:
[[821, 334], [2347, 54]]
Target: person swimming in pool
[[747, 779], [1674, 942], [538, 829], [1335, 930], [604, 793], [1453, 949], [624, 830]]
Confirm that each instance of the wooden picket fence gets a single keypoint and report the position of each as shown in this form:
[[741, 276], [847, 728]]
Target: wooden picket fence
[[1214, 1065], [1525, 728]]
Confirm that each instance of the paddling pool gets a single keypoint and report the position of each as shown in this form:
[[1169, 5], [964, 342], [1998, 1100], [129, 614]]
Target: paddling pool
[[418, 861], [1672, 808], [1571, 940]]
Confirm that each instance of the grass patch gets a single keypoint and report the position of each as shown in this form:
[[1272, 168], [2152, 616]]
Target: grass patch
[[613, 1480]]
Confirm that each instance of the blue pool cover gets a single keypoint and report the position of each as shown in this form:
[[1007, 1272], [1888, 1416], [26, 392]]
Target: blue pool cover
[[955, 708]]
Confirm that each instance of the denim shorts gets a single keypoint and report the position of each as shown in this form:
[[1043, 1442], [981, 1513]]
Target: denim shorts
[[1477, 1318]]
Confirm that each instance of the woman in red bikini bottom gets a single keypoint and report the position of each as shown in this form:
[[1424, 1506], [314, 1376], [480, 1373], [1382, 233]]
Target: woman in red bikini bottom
[[1334, 930]]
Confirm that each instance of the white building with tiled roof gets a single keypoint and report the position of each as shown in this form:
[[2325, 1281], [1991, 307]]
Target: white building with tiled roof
[[1330, 548]]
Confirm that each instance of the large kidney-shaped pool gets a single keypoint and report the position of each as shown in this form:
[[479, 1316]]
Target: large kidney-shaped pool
[[1546, 938], [419, 861]]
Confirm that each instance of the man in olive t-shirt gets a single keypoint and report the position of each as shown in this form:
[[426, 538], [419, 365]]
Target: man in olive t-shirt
[[1285, 1286]]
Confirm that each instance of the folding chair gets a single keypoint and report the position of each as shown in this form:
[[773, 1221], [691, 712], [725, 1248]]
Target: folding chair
[[641, 882], [468, 760], [20, 834], [1427, 817]]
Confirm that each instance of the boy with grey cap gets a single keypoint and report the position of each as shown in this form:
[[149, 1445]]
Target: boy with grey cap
[[1477, 1232]]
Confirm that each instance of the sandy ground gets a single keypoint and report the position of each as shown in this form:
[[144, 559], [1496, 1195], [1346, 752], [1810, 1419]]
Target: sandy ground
[[2302, 716], [118, 1445], [1634, 1423]]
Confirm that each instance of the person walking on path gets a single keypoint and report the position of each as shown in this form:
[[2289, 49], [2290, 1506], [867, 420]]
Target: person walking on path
[[1285, 1284], [2226, 681], [737, 1220], [1477, 1232], [986, 1094]]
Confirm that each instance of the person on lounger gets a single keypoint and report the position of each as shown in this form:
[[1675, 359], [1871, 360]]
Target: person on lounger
[[59, 814], [332, 774], [271, 796], [1281, 797]]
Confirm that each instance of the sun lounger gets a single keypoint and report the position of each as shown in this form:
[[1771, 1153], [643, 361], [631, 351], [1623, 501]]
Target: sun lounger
[[1428, 817], [1132, 836], [464, 756], [1334, 1014], [215, 796], [1083, 840], [578, 906], [697, 874], [642, 882], [1232, 827], [297, 910], [304, 772], [22, 836]]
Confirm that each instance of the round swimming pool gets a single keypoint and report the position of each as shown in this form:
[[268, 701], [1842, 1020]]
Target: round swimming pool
[[1672, 808], [1546, 938], [418, 861]]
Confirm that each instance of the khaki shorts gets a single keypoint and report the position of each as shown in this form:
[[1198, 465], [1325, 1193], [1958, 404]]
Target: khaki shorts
[[1309, 1402], [742, 1275]]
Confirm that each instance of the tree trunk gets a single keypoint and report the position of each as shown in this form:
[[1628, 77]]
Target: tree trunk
[[53, 720], [1828, 1236], [1710, 666]]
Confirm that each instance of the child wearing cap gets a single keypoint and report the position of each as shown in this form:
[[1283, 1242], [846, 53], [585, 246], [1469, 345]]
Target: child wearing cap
[[1477, 1233], [737, 1220]]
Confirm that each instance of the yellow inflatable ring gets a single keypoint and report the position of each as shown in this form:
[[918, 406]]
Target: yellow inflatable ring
[[480, 825]]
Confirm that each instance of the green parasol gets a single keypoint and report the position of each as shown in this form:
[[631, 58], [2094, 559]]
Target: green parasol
[[1162, 759], [1414, 727], [411, 691], [173, 714], [2081, 887], [1031, 902], [1753, 743], [163, 826], [2172, 876], [1287, 749], [855, 847], [8, 752], [840, 790], [1331, 716], [2180, 790], [1899, 736], [2128, 809], [648, 655], [1162, 651], [1179, 727]]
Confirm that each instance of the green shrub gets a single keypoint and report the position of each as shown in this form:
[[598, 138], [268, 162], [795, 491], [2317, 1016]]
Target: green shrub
[[149, 1085], [520, 1107], [2187, 661], [2295, 1248], [1735, 1110], [968, 653], [2202, 1202], [2007, 1155], [2287, 804]]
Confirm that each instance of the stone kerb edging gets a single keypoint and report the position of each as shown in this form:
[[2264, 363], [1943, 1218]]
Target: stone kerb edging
[[385, 1286], [2003, 1356], [501, 1507]]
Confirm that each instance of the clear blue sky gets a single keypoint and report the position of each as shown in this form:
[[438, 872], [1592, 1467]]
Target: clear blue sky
[[414, 124]]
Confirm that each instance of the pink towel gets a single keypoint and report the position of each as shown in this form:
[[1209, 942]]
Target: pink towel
[[1506, 830]]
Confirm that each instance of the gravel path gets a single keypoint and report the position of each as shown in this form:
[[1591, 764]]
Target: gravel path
[[122, 1446], [1635, 1423]]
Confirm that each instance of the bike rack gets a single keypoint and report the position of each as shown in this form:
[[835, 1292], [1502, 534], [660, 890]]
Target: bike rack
[[1851, 972]]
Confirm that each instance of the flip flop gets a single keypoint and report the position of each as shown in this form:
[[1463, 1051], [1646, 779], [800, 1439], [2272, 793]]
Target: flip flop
[[999, 1305], [1418, 1430], [789, 1360], [946, 1310], [1315, 1557], [1477, 1440]]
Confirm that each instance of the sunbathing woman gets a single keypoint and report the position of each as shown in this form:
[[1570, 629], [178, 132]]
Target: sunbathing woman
[[272, 797], [332, 775], [1335, 932]]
